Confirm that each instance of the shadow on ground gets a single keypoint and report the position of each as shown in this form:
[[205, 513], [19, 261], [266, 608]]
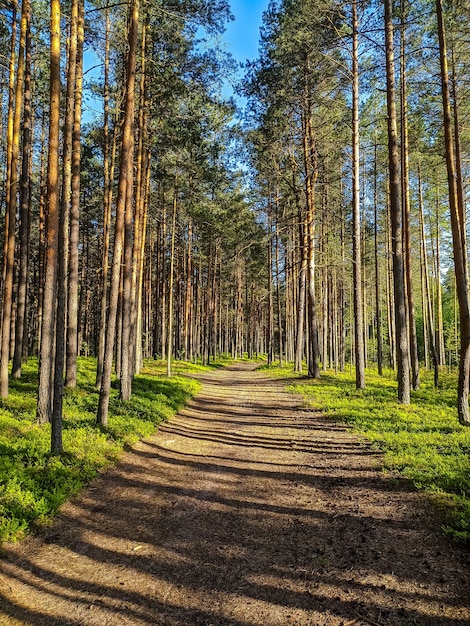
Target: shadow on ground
[[244, 510]]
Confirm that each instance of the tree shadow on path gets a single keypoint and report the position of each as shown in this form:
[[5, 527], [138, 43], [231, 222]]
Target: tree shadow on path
[[240, 517]]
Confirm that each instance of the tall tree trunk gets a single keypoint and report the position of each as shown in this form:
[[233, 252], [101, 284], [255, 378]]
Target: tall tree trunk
[[396, 218], [270, 329], [313, 352], [125, 168], [46, 361], [64, 217], [342, 297], [441, 351], [427, 294], [140, 209], [300, 335], [458, 232], [458, 155], [278, 286], [42, 233], [302, 276], [169, 351], [9, 149], [188, 294], [74, 214], [311, 174], [163, 283], [10, 211], [21, 309], [357, 260], [126, 372], [141, 262], [30, 321], [324, 284], [108, 176], [410, 308], [66, 187], [378, 308]]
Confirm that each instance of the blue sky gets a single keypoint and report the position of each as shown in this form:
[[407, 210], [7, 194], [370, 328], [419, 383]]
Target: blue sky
[[242, 35]]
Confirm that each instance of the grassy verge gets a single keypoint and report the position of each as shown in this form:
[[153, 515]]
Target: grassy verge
[[423, 441], [33, 484]]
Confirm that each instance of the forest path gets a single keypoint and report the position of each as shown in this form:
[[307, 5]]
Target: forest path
[[246, 509]]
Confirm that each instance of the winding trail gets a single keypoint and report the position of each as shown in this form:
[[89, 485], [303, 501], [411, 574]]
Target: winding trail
[[246, 509]]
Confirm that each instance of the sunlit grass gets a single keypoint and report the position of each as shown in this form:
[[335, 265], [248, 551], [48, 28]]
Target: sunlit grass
[[422, 441], [33, 484]]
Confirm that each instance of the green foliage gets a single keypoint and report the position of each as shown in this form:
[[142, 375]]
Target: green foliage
[[33, 484], [422, 441]]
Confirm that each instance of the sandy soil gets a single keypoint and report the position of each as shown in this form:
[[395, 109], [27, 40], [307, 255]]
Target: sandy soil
[[244, 510]]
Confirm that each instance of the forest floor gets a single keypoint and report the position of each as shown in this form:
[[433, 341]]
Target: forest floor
[[246, 509]]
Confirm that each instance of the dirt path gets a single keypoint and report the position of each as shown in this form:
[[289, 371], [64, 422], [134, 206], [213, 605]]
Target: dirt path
[[244, 510]]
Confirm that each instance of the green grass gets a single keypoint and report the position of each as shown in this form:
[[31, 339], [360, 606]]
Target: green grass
[[33, 484], [423, 441]]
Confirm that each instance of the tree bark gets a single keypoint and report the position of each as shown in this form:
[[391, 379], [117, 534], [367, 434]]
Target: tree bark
[[42, 228], [410, 308], [9, 148], [313, 352], [108, 175], [127, 353], [458, 232], [46, 362], [74, 215], [270, 329], [402, 344], [357, 260], [378, 307], [169, 351], [10, 211], [441, 350], [21, 310], [125, 168], [188, 294], [427, 294], [311, 174], [278, 286]]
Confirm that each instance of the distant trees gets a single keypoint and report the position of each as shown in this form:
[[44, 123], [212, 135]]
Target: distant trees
[[139, 236], [163, 142], [458, 221], [388, 182]]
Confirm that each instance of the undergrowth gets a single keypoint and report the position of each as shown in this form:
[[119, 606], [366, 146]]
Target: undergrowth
[[33, 484], [423, 441]]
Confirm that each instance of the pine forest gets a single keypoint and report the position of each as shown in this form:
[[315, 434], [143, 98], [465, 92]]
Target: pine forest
[[166, 208], [268, 260], [329, 224]]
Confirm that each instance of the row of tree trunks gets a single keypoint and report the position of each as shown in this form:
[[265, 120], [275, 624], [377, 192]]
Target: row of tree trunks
[[311, 175], [402, 344], [458, 222], [46, 359], [123, 196], [14, 123], [108, 176], [72, 345], [21, 338], [179, 296], [405, 200]]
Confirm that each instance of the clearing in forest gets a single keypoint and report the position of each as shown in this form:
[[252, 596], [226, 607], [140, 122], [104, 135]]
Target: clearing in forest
[[246, 509]]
